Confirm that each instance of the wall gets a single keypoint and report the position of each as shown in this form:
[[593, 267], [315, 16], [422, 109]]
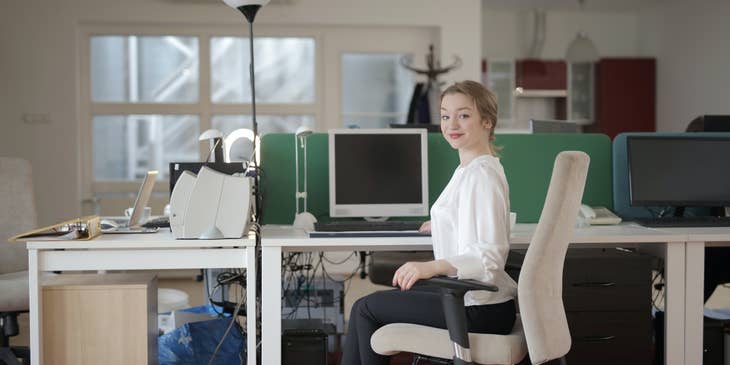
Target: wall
[[39, 65], [508, 33], [686, 38], [693, 59]]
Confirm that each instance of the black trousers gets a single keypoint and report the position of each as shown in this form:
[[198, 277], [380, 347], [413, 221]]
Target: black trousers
[[420, 305]]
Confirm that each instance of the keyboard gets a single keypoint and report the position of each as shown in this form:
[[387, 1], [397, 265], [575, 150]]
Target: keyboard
[[360, 226], [684, 222], [159, 222]]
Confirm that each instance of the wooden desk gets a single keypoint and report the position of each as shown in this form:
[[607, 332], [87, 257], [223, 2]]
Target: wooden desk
[[158, 251], [669, 245]]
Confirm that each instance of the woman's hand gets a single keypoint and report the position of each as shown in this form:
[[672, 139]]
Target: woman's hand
[[410, 272], [425, 227]]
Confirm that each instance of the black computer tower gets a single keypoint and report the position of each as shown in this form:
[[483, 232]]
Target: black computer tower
[[304, 347]]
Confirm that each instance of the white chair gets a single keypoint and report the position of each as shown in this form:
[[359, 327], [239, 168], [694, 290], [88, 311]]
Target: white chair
[[17, 209], [541, 328]]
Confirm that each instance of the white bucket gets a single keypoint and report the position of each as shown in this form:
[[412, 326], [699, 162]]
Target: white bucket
[[169, 300]]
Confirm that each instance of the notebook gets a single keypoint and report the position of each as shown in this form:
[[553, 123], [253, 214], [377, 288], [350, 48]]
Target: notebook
[[133, 225]]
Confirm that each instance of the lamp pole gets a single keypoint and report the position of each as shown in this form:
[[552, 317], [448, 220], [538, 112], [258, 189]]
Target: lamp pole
[[249, 8]]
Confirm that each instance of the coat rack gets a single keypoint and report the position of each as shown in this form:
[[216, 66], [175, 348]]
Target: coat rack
[[425, 103]]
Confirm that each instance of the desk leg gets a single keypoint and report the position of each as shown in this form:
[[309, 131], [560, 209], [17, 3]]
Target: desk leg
[[674, 326], [251, 306], [271, 305], [36, 308], [694, 304]]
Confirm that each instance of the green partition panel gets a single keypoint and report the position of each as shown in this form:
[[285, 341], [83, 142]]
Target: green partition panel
[[527, 160]]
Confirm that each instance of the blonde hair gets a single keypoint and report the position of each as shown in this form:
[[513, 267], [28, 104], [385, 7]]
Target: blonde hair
[[485, 101]]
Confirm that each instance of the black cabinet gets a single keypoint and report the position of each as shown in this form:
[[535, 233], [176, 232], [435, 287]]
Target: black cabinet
[[607, 298]]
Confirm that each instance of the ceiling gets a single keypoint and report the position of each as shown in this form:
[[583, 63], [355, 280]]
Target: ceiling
[[573, 5]]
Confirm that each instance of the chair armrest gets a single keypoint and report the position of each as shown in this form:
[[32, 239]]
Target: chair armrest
[[458, 285], [452, 299]]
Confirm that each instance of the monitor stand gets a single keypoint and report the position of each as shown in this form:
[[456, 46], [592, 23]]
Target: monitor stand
[[679, 211], [375, 219]]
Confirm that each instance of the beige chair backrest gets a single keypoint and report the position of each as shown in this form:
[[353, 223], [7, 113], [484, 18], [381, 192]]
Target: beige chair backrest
[[17, 212], [540, 288]]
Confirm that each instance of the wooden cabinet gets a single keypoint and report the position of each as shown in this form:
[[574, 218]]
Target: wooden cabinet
[[612, 96], [100, 319], [534, 74], [625, 96]]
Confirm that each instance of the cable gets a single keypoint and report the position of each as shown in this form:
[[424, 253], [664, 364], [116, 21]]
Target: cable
[[230, 325]]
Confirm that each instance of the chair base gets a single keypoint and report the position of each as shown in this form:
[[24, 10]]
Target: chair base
[[10, 356]]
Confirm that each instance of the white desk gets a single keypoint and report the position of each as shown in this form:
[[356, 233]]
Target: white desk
[[669, 245], [157, 251], [697, 239]]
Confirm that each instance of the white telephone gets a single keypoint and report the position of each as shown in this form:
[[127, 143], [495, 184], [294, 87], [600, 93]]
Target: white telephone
[[598, 215]]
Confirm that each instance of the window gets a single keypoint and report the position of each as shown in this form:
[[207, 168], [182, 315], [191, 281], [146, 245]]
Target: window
[[132, 74], [376, 90], [149, 91]]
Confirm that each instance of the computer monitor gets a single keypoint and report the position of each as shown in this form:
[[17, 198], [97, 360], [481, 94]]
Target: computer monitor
[[716, 123], [553, 126], [680, 171], [378, 173]]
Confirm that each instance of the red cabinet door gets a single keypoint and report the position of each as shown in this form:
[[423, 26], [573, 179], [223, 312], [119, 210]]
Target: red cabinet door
[[625, 96], [533, 74]]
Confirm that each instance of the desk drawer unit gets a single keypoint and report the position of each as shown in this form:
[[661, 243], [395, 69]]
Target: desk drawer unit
[[100, 319], [607, 296]]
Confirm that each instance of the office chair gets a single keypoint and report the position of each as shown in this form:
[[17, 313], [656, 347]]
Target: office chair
[[541, 328], [17, 209]]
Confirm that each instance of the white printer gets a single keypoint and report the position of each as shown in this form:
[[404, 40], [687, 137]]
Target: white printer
[[210, 205]]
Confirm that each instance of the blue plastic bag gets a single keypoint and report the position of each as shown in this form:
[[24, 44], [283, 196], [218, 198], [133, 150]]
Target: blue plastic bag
[[194, 343]]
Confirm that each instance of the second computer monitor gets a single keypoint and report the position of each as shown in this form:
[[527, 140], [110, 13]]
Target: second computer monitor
[[679, 171], [378, 172]]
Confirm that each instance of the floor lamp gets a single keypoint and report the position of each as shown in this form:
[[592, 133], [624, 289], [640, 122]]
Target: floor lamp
[[249, 8]]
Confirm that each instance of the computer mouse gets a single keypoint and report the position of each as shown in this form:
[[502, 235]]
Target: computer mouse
[[108, 224]]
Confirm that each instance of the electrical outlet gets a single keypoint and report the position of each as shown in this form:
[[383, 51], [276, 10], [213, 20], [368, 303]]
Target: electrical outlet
[[36, 118]]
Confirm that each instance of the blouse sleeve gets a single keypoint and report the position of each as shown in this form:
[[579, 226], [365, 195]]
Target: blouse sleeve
[[483, 225]]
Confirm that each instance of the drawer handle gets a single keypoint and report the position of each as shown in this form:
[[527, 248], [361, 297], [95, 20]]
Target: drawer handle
[[595, 338], [596, 284]]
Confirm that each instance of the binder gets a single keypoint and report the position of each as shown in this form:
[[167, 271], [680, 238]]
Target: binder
[[83, 228]]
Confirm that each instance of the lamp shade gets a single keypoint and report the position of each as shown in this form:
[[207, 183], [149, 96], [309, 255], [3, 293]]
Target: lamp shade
[[239, 3], [581, 49], [303, 131]]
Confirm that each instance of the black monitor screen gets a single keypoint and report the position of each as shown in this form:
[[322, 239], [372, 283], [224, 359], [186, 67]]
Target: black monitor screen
[[378, 169], [679, 171]]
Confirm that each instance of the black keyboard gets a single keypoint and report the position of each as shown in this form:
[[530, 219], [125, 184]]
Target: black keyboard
[[348, 226], [159, 222], [684, 222]]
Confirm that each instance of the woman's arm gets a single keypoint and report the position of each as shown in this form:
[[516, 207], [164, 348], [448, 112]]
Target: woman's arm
[[410, 272]]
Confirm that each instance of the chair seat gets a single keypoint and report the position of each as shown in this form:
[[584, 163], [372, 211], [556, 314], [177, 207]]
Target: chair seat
[[14, 292], [485, 348]]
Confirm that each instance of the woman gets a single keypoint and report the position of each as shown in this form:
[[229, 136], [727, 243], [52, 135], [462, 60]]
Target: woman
[[470, 231]]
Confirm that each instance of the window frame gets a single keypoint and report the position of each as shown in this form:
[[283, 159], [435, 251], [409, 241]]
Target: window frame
[[204, 108], [331, 41]]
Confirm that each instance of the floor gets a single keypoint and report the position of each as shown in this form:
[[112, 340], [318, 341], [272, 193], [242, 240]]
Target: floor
[[185, 280], [182, 280]]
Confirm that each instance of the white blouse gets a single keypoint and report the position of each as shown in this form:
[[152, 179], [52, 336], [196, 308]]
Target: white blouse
[[470, 228]]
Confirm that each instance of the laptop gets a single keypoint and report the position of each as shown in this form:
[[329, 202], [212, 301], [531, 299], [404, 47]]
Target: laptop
[[133, 225]]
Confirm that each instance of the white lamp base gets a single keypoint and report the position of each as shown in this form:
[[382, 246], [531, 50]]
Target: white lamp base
[[305, 221]]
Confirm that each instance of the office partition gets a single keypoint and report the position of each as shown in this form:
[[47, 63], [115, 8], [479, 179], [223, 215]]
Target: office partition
[[527, 160]]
